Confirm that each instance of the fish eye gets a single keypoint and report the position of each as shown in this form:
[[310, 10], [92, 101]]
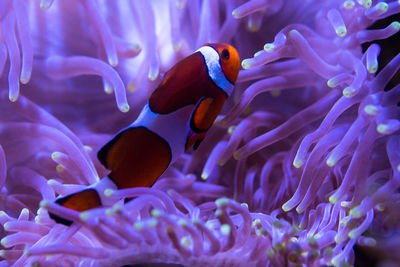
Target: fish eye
[[225, 54]]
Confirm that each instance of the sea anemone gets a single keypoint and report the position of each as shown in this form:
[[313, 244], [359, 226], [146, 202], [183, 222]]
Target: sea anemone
[[302, 166]]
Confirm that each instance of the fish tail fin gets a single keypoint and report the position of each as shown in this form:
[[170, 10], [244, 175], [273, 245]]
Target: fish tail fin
[[79, 201]]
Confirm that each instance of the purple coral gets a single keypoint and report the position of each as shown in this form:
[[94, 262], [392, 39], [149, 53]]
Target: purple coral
[[295, 176]]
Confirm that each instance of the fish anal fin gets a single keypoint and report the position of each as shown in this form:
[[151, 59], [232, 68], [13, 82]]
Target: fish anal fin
[[79, 201]]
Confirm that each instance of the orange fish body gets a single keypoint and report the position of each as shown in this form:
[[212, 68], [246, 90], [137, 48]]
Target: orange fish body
[[176, 118]]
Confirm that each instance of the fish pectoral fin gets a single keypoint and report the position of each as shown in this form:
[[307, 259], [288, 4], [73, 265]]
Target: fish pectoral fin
[[204, 114]]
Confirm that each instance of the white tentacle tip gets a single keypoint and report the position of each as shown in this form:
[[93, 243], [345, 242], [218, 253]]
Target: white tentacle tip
[[349, 4], [181, 4], [24, 79], [108, 192], [186, 242], [204, 176], [108, 89], [87, 148], [330, 162], [125, 108], [395, 25], [45, 4], [156, 213], [389, 127], [117, 208], [52, 182], [269, 47], [60, 168], [383, 7], [373, 68], [84, 216], [44, 204], [341, 31], [27, 252], [225, 229], [113, 61], [349, 91], [153, 74], [293, 33], [297, 163], [355, 213], [152, 222], [222, 202], [138, 226], [109, 212], [246, 63], [55, 155], [365, 3], [177, 46], [182, 222], [13, 98], [235, 14], [286, 207], [372, 110]]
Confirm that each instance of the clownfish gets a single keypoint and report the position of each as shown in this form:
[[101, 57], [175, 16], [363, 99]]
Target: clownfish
[[176, 117]]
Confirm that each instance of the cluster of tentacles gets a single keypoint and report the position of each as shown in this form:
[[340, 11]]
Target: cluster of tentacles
[[303, 165]]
